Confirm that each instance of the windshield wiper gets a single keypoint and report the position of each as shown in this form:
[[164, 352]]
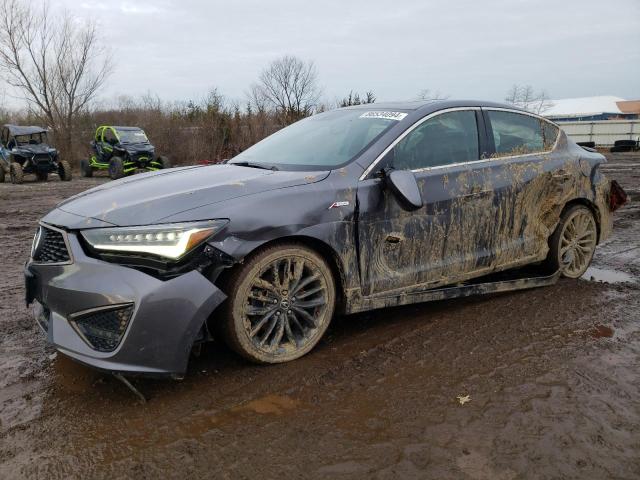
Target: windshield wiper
[[255, 165]]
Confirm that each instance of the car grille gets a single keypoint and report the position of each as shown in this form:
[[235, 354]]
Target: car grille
[[103, 329], [51, 247], [42, 159]]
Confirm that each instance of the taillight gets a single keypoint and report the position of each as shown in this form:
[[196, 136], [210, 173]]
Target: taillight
[[617, 196]]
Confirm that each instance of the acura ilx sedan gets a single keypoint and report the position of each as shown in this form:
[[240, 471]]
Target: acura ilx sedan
[[349, 210]]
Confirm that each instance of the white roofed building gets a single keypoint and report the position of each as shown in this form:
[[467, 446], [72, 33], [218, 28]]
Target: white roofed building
[[593, 108]]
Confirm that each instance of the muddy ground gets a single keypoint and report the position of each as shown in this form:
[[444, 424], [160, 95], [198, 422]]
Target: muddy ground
[[551, 374]]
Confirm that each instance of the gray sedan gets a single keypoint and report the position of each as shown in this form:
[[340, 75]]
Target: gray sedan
[[350, 210]]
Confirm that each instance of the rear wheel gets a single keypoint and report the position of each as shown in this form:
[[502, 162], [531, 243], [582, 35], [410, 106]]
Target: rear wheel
[[42, 176], [64, 170], [2, 174], [164, 161], [573, 243], [116, 168], [15, 172], [280, 304], [85, 168]]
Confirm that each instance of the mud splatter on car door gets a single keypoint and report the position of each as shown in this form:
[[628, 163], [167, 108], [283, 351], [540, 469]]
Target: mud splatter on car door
[[446, 237]]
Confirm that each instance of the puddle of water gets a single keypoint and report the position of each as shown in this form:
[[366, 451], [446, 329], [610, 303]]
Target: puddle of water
[[609, 276], [602, 331]]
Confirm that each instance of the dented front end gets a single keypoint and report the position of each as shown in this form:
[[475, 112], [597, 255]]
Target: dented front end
[[112, 317]]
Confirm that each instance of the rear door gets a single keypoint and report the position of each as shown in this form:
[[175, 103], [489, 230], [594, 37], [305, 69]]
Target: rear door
[[522, 176], [443, 241]]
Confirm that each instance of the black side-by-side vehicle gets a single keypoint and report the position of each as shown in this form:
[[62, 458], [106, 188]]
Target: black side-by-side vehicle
[[122, 151], [24, 150]]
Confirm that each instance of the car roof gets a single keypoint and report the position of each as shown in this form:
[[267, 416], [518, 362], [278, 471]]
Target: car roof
[[430, 105], [17, 130]]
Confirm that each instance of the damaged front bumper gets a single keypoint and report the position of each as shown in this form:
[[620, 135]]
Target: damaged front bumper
[[116, 318]]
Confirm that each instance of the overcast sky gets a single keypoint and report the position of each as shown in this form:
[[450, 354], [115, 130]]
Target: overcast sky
[[462, 48]]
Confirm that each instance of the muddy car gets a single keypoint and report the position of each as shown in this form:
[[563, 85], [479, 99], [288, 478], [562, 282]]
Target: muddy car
[[350, 210], [25, 150]]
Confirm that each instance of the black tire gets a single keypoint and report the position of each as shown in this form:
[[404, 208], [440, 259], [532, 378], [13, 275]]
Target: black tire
[[64, 171], [164, 161], [86, 170], [266, 332], [625, 143], [15, 172], [116, 168], [573, 256], [2, 173], [42, 176]]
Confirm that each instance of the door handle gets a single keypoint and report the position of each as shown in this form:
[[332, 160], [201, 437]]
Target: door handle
[[561, 176], [475, 193]]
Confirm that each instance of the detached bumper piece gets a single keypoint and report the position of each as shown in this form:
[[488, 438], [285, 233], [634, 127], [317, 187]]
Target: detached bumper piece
[[617, 196], [102, 328], [112, 317]]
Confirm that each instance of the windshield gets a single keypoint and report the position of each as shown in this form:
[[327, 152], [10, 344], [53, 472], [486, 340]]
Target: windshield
[[33, 139], [132, 136], [323, 141]]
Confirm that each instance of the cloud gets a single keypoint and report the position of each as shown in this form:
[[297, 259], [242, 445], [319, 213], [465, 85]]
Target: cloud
[[462, 48], [139, 8]]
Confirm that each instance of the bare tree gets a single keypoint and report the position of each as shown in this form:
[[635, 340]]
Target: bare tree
[[427, 94], [289, 86], [525, 97], [54, 60], [356, 99]]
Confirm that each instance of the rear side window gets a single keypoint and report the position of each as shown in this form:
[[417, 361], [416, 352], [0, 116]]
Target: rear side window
[[518, 134], [445, 139], [550, 134]]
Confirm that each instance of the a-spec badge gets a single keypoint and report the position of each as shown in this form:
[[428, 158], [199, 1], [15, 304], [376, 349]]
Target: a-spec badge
[[338, 204]]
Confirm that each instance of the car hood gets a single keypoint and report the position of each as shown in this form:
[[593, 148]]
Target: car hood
[[148, 198]]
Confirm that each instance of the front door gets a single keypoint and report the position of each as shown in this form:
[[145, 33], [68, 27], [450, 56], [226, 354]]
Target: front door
[[444, 241]]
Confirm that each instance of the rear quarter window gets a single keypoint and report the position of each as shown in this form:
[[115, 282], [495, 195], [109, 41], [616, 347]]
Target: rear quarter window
[[519, 134]]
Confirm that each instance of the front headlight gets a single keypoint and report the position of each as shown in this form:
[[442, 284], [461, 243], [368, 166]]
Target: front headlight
[[170, 241]]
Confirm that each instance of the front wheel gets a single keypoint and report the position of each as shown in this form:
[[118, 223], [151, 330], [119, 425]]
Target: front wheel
[[64, 170], [86, 170], [116, 168], [15, 172], [164, 161], [280, 303], [573, 243]]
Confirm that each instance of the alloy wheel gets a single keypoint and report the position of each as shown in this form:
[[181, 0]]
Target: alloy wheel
[[578, 242], [286, 305]]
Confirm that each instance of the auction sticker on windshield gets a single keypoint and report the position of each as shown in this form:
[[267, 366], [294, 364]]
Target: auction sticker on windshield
[[386, 115]]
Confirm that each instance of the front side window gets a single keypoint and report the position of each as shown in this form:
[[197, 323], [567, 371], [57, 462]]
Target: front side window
[[519, 134], [445, 139], [110, 137]]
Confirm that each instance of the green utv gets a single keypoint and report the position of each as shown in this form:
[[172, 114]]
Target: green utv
[[122, 151], [24, 150]]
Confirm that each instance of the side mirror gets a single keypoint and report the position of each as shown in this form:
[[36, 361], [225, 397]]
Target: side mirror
[[404, 186]]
